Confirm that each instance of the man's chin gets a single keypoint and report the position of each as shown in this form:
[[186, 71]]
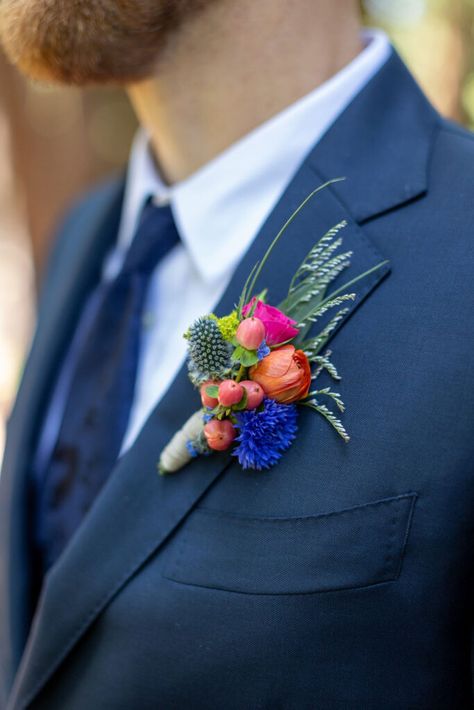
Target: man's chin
[[91, 41], [78, 44], [53, 72], [56, 68], [37, 70]]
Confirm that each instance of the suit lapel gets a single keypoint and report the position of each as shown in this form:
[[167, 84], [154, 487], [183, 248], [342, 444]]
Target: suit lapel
[[138, 510], [382, 142]]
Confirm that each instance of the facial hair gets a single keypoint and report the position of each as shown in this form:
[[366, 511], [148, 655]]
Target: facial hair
[[83, 42]]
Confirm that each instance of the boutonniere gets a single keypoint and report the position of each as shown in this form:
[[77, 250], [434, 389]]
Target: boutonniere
[[256, 366]]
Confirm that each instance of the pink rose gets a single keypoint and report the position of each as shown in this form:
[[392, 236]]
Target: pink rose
[[278, 327]]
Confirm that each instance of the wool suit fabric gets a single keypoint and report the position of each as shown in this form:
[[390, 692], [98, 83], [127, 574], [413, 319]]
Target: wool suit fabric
[[342, 578]]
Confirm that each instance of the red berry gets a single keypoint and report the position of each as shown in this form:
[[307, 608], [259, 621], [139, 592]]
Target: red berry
[[219, 434], [207, 401], [255, 394], [230, 393], [250, 333]]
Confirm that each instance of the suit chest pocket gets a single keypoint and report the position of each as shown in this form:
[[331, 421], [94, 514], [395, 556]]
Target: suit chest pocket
[[345, 549]]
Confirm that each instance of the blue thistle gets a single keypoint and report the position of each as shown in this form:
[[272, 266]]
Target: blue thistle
[[209, 353], [265, 434]]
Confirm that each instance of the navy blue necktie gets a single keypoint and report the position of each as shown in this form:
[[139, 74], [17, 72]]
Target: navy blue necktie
[[101, 392]]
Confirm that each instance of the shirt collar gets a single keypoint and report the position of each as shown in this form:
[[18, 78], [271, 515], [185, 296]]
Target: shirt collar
[[219, 209]]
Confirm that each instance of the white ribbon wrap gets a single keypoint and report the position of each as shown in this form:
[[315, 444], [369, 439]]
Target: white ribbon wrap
[[175, 455]]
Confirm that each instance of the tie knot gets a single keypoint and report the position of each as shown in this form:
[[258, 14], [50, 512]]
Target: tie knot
[[155, 236]]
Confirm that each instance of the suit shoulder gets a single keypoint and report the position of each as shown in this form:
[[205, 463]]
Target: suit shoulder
[[456, 131], [455, 145], [73, 226], [451, 169], [78, 213]]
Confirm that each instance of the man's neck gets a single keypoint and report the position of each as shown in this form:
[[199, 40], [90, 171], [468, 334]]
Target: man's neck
[[233, 67]]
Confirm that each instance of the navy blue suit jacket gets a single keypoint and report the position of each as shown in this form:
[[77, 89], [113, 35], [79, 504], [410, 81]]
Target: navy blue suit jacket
[[342, 578]]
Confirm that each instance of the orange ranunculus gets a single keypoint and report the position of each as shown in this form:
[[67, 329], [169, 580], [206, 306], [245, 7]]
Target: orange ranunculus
[[285, 374]]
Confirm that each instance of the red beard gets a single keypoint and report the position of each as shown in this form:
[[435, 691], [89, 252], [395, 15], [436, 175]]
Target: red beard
[[90, 41]]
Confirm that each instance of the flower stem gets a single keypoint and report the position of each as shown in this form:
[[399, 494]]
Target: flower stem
[[240, 373]]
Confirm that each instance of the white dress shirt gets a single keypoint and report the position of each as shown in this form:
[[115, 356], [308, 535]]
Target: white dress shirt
[[218, 212]]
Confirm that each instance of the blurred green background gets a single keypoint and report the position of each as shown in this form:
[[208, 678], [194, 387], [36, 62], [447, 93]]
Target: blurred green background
[[55, 142]]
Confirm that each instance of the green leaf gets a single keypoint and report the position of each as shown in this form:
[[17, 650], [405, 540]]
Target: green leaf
[[247, 358], [311, 290], [214, 412], [242, 404], [256, 271], [312, 346], [244, 296], [259, 298], [318, 254], [347, 285], [329, 416], [324, 363], [335, 396], [322, 308], [212, 391], [334, 294]]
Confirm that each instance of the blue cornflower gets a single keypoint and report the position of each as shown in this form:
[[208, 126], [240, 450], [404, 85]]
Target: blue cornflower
[[263, 350], [191, 449], [198, 446], [207, 415], [265, 434]]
